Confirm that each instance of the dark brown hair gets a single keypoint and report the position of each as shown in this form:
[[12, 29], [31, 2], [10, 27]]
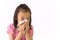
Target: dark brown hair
[[24, 8]]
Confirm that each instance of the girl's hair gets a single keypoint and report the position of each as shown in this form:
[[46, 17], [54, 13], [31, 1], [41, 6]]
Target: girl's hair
[[23, 8]]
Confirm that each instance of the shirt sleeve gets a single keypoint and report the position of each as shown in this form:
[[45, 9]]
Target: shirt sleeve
[[31, 31], [10, 29]]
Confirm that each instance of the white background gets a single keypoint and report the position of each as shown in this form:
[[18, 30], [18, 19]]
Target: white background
[[45, 18]]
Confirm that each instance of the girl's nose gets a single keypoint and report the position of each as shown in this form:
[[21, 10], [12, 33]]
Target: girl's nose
[[22, 22]]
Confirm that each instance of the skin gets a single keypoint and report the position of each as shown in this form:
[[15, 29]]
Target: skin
[[21, 16]]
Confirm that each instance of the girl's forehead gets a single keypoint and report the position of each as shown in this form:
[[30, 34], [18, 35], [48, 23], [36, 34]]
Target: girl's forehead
[[27, 14]]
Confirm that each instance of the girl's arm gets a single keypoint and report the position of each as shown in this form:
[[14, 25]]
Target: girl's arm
[[18, 37], [11, 36]]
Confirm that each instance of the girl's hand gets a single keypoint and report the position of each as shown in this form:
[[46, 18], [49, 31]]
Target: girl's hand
[[23, 27], [28, 36]]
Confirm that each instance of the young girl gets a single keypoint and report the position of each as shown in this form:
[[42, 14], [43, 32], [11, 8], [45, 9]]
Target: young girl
[[21, 28]]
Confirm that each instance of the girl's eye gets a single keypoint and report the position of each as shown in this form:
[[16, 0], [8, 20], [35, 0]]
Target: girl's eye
[[22, 18], [27, 18]]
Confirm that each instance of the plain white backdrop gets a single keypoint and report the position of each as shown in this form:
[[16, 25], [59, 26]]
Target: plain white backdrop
[[45, 18]]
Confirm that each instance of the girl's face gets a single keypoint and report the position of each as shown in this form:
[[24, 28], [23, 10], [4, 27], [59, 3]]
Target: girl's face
[[23, 15]]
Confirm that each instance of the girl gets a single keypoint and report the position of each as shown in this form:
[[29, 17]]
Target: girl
[[21, 29]]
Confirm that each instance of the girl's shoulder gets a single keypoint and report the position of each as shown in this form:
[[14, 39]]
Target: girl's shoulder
[[30, 31], [10, 28]]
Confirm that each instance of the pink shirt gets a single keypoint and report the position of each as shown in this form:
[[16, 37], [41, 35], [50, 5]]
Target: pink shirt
[[11, 29]]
